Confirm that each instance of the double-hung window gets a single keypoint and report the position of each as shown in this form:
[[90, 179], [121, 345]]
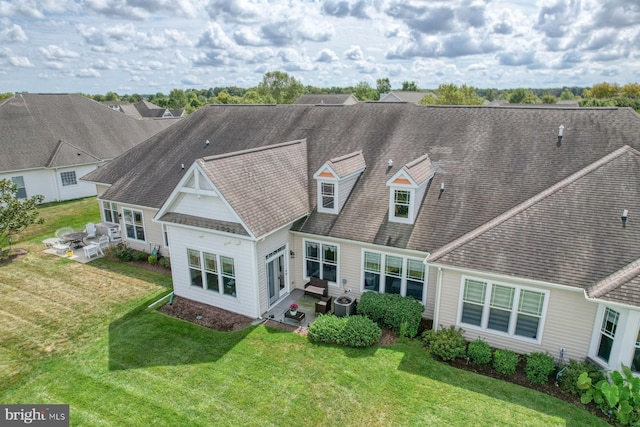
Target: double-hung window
[[511, 310], [327, 190], [401, 203], [110, 211], [133, 224], [321, 261], [68, 178], [608, 333], [393, 274], [212, 272], [22, 190]]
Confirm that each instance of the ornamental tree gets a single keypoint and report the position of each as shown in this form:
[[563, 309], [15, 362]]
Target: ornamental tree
[[16, 214]]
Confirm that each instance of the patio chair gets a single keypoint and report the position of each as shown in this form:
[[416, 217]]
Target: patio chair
[[90, 229], [61, 232], [324, 305], [61, 248], [103, 243], [91, 250]]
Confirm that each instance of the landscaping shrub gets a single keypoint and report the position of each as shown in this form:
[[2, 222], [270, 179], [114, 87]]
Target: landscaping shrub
[[393, 311], [349, 331], [429, 336], [137, 255], [479, 352], [568, 376], [359, 331], [539, 366], [505, 361], [447, 344], [153, 259], [619, 398], [120, 251], [164, 262]]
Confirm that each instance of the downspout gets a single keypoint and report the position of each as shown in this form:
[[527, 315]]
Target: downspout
[[436, 311]]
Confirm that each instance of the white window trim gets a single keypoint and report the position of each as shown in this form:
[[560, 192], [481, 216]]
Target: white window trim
[[405, 271], [392, 204], [322, 209], [124, 223], [513, 319], [114, 213], [320, 242], [65, 173], [219, 273]]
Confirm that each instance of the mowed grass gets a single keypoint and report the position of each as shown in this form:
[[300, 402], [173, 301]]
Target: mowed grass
[[84, 335]]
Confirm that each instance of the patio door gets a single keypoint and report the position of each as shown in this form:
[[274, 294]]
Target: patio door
[[276, 274]]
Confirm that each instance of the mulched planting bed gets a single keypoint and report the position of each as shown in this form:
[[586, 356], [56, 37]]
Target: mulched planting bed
[[206, 315]]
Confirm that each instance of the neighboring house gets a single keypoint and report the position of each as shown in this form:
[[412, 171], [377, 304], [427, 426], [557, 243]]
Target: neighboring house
[[402, 96], [327, 99], [49, 141], [507, 222], [144, 109]]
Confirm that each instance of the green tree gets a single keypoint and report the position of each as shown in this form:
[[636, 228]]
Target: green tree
[[253, 97], [523, 96], [631, 90], [602, 90], [549, 99], [177, 99], [284, 89], [111, 96], [567, 95], [364, 92], [451, 94], [16, 214], [383, 86], [409, 86], [5, 95]]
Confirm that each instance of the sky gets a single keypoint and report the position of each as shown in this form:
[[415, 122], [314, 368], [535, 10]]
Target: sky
[[151, 46]]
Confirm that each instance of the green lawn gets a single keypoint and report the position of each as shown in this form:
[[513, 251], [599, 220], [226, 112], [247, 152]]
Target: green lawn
[[83, 335]]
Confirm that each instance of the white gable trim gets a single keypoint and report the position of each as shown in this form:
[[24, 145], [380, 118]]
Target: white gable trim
[[326, 168]]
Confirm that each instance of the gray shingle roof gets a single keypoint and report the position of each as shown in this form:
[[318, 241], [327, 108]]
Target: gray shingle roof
[[347, 164], [38, 130], [420, 170], [327, 99], [207, 223], [266, 187], [490, 159], [570, 234]]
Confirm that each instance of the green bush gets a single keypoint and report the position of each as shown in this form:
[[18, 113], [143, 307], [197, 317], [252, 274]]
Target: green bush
[[539, 366], [137, 255], [349, 331], [568, 376], [619, 398], [165, 262], [505, 361], [447, 344], [479, 352], [429, 336], [153, 259], [393, 311], [120, 251]]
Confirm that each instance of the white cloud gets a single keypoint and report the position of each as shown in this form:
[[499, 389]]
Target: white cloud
[[20, 61], [87, 73], [13, 34], [354, 53], [57, 53]]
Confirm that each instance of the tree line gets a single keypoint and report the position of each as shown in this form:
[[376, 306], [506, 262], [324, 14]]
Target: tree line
[[279, 87]]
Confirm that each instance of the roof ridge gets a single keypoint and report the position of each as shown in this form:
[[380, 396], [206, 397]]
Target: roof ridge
[[253, 150], [417, 161], [345, 156], [615, 279], [467, 237]]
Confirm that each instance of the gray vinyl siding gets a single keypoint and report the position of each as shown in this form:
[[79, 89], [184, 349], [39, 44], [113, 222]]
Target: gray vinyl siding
[[568, 322]]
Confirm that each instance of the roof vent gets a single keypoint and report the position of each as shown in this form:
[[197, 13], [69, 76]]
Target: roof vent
[[206, 143], [441, 190], [182, 165], [625, 214], [390, 164], [560, 133]]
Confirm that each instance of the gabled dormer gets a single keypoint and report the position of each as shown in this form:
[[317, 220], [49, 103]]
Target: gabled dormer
[[407, 188], [335, 180]]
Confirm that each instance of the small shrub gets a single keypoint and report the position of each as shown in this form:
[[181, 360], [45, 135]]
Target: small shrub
[[120, 251], [428, 337], [139, 255], [359, 331], [164, 262], [393, 311], [539, 367], [505, 361], [568, 376], [349, 331], [479, 352], [152, 259], [448, 344]]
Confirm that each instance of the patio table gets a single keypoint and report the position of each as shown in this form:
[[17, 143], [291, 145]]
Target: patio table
[[75, 239]]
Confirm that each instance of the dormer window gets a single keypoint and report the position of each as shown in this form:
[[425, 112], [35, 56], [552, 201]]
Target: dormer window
[[328, 195], [402, 204], [407, 188], [336, 179]]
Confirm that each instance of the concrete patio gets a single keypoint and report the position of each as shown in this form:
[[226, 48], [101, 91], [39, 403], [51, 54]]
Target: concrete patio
[[78, 253], [306, 304]]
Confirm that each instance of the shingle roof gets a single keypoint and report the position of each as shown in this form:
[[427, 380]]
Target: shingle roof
[[490, 158], [266, 186], [32, 127], [327, 99], [207, 223], [404, 96], [570, 233], [420, 170], [347, 164]]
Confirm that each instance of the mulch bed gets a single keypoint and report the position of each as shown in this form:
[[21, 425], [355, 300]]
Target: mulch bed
[[15, 254], [206, 315]]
